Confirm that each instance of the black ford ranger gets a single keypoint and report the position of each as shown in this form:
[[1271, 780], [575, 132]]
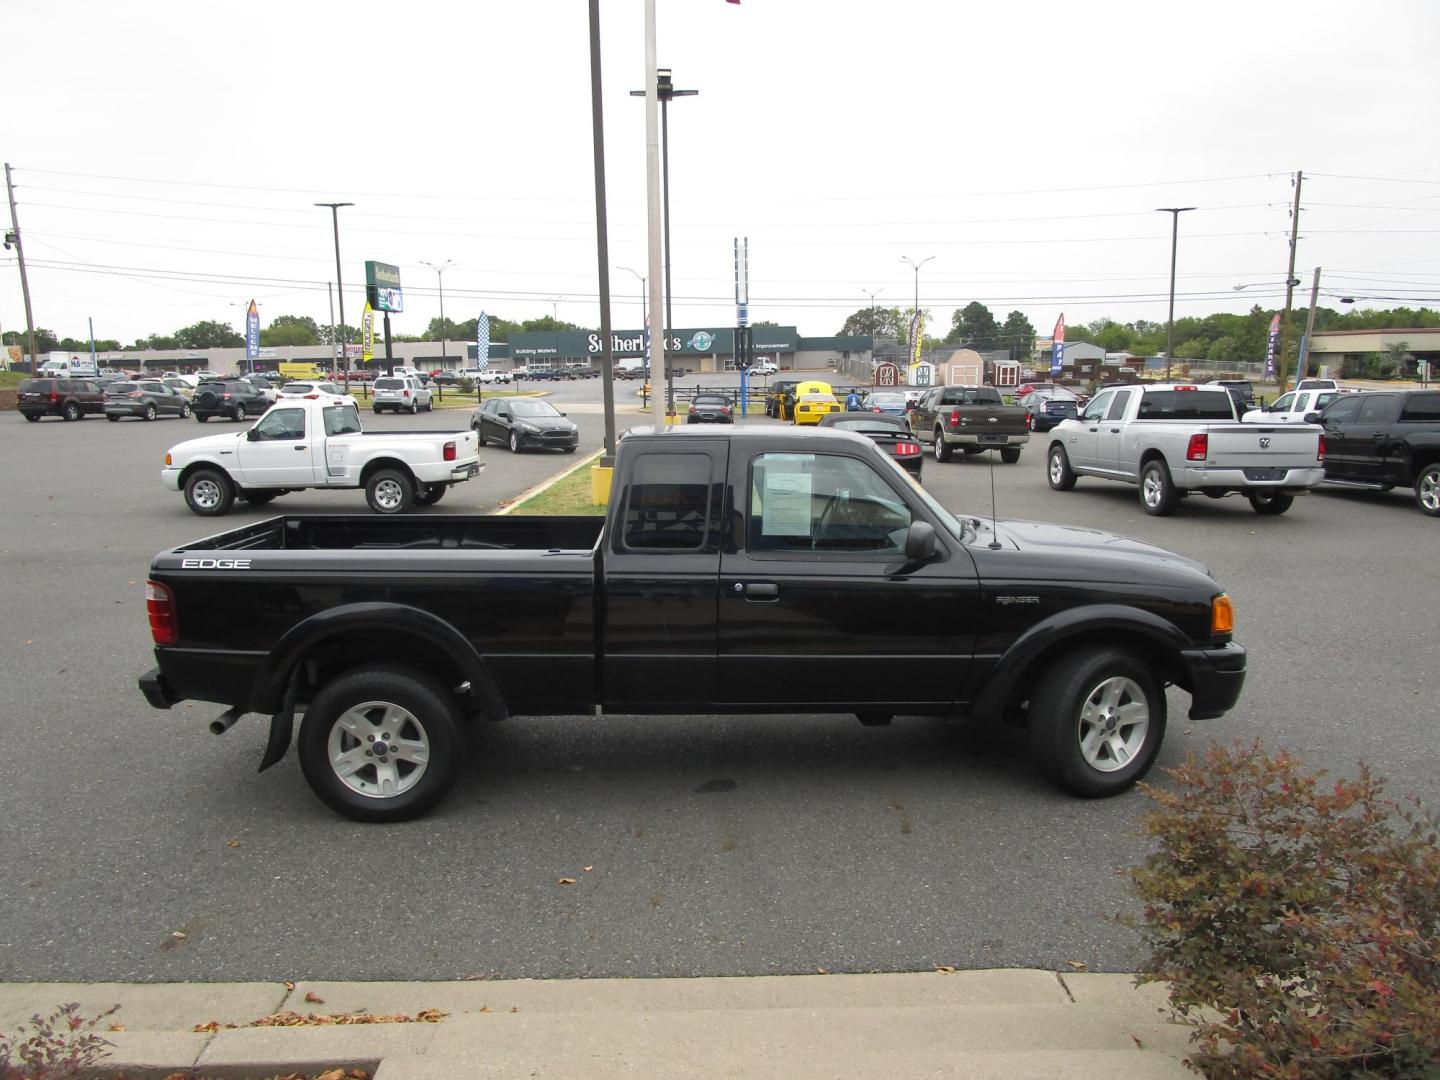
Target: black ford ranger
[[753, 570]]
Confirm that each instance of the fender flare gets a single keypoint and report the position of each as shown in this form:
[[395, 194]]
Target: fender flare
[[273, 678], [1063, 629]]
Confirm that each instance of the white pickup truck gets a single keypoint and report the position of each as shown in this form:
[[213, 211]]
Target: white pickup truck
[[317, 442], [1174, 438], [1292, 408]]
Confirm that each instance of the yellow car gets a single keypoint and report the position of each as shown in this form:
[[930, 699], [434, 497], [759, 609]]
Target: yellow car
[[812, 408], [813, 386]]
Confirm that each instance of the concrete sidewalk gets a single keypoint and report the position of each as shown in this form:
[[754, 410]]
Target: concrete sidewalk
[[1005, 1025]]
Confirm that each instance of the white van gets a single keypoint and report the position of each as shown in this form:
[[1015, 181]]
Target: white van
[[66, 367]]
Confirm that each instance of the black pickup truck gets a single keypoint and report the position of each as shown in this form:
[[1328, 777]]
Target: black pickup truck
[[1383, 439], [749, 570]]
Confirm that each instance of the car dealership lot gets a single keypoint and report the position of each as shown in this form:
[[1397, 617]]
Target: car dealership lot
[[717, 845]]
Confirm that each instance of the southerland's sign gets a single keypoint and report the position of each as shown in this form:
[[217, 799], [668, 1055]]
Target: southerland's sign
[[382, 287]]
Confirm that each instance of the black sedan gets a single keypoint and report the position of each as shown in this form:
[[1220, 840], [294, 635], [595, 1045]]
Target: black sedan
[[524, 423], [710, 409], [891, 433]]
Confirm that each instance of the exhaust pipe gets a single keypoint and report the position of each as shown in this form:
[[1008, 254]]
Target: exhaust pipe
[[226, 720]]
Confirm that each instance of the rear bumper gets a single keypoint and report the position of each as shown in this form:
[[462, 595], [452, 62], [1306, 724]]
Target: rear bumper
[[1236, 480], [1216, 678], [157, 690], [957, 438], [116, 408]]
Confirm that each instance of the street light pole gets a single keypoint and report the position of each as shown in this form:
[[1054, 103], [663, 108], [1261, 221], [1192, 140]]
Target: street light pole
[[1174, 212], [440, 277], [339, 284], [644, 320], [915, 344], [665, 90]]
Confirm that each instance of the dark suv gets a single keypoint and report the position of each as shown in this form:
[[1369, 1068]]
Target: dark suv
[[234, 398], [69, 399]]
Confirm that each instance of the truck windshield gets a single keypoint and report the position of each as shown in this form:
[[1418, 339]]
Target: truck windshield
[[342, 420]]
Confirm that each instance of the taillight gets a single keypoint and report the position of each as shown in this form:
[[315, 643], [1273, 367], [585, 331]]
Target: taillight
[[160, 606], [907, 449], [874, 408], [1320, 454], [724, 410], [1198, 449], [54, 396], [692, 408], [449, 451], [955, 417], [1222, 615], [404, 393], [134, 393]]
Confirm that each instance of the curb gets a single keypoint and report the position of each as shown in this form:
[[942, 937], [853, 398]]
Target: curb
[[546, 485]]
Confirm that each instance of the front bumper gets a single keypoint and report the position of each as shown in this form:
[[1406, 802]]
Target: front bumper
[[1217, 676], [554, 440]]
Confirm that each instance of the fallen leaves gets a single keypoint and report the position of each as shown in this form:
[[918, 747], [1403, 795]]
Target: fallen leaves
[[566, 881], [945, 969], [314, 998], [1078, 965], [293, 1019], [232, 843]]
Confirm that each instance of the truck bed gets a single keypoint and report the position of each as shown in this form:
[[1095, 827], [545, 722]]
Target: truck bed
[[358, 532]]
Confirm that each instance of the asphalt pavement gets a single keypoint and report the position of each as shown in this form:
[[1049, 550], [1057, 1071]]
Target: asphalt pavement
[[138, 847]]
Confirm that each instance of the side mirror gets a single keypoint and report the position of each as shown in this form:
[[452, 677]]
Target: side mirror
[[1312, 418], [921, 544], [562, 413], [252, 435]]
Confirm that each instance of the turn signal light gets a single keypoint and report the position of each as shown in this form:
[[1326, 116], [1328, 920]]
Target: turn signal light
[[168, 461], [449, 451], [1198, 449], [160, 606], [1222, 615]]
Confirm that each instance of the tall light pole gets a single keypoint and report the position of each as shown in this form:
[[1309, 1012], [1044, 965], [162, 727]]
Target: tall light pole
[[1174, 212], [665, 90], [339, 283], [915, 333], [644, 320], [440, 277], [872, 296]]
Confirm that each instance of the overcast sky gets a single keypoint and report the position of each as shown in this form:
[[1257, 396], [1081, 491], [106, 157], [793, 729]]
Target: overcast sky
[[167, 156]]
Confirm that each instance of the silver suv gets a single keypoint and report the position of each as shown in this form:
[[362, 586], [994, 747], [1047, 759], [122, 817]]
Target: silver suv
[[400, 392]]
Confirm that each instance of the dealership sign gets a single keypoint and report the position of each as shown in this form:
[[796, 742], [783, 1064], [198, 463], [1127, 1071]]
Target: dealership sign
[[382, 287]]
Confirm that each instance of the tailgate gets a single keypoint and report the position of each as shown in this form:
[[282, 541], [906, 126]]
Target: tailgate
[[1256, 446]]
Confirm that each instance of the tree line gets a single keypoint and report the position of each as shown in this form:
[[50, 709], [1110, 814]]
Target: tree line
[[1220, 338]]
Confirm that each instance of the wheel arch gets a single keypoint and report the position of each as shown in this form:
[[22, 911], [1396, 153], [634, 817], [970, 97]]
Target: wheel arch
[[335, 640], [205, 463], [372, 467], [1154, 639]]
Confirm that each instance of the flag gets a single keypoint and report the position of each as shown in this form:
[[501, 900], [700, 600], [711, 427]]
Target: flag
[[1271, 346], [252, 332], [917, 336], [1057, 347], [482, 341], [367, 334]]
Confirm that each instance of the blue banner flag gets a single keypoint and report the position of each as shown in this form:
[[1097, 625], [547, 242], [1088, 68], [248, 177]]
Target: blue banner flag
[[482, 341], [252, 332], [1057, 354]]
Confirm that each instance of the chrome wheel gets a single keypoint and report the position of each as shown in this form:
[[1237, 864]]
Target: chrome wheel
[[378, 749], [389, 494], [1153, 489], [1427, 491], [1114, 722], [206, 494]]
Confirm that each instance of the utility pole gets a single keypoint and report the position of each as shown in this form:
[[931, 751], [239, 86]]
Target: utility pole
[[1290, 279], [602, 240], [339, 284], [334, 341], [440, 278], [1309, 329], [1174, 212], [13, 237]]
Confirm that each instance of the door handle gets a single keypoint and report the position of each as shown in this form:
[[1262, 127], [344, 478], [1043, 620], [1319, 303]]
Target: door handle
[[299, 448], [1114, 431], [759, 591]]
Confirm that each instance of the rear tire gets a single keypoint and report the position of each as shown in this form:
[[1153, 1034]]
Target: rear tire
[[209, 493], [150, 413], [514, 441], [1427, 490], [1097, 719], [941, 447], [200, 418], [1058, 471], [113, 419], [185, 411], [239, 413], [390, 491], [1157, 491], [71, 411], [431, 495], [1271, 504], [1010, 454], [405, 712], [377, 410], [32, 418]]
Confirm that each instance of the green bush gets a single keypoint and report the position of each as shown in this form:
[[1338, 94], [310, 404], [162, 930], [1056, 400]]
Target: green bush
[[466, 384], [1297, 920]]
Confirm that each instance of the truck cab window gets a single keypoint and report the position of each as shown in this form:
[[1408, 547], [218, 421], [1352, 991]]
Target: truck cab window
[[342, 420], [823, 502], [281, 425], [668, 502]]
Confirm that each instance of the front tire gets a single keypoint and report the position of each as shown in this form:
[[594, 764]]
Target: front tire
[[1270, 503], [1058, 471], [514, 442], [150, 413], [1157, 491], [1010, 454], [390, 491], [1097, 720], [185, 411], [209, 493], [1427, 490], [113, 418], [941, 447], [381, 745], [239, 413]]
